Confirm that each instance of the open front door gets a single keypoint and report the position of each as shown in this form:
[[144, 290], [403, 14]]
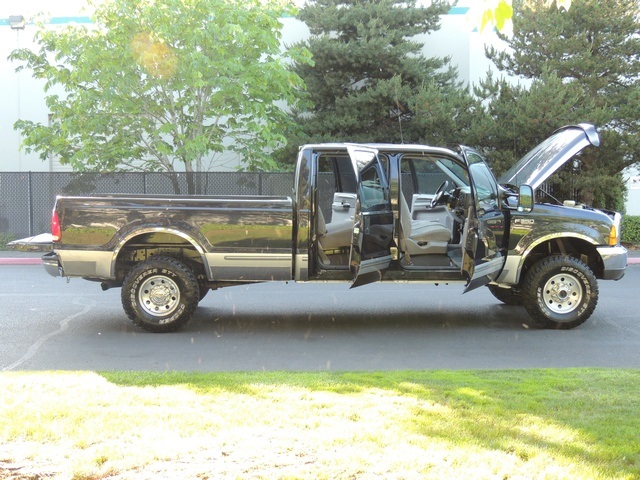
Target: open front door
[[484, 252], [373, 226]]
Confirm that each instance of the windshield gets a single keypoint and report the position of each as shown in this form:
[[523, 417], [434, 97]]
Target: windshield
[[455, 170]]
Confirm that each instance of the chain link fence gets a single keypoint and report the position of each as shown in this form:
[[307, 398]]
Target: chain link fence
[[26, 198]]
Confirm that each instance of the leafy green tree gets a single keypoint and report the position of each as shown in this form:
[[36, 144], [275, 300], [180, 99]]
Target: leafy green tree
[[164, 86], [368, 70], [584, 65]]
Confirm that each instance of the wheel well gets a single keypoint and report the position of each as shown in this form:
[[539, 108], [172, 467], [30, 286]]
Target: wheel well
[[146, 245], [570, 246]]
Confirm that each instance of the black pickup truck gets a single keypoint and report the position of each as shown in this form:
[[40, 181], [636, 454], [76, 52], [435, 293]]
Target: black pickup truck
[[358, 213]]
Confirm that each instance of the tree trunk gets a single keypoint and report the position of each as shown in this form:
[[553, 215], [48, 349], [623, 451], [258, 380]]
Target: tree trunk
[[193, 187], [174, 181]]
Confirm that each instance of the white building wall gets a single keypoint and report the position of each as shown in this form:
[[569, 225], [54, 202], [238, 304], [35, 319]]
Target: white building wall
[[633, 191], [22, 96]]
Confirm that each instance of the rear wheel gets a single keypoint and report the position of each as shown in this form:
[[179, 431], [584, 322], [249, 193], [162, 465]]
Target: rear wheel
[[560, 292], [160, 295]]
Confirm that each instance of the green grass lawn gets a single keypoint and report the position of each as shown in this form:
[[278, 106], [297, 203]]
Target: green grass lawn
[[515, 424]]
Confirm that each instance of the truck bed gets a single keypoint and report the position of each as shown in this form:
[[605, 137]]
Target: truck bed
[[239, 238]]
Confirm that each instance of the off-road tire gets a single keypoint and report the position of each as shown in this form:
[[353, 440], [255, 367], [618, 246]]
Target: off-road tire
[[160, 294], [508, 296], [560, 292]]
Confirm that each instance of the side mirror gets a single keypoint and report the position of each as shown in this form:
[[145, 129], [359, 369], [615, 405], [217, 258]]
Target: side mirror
[[525, 199]]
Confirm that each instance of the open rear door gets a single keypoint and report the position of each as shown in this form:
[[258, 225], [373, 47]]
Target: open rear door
[[373, 226]]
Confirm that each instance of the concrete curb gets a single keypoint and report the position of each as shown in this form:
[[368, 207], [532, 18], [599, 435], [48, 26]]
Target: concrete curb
[[20, 261]]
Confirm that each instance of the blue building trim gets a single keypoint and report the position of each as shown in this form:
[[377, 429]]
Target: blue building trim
[[458, 11], [4, 22], [65, 20]]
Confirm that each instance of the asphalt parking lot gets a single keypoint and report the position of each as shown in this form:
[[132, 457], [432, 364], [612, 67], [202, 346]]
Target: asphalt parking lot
[[49, 324]]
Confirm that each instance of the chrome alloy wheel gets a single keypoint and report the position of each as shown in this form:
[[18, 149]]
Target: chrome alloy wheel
[[159, 295], [562, 293]]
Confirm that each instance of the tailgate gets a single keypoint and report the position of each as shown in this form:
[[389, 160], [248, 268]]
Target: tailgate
[[37, 243]]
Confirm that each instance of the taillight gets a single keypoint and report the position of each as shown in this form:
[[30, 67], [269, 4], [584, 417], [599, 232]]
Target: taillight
[[56, 232]]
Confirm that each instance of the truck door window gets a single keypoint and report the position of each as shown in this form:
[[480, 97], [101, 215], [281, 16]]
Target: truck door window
[[373, 194], [345, 176], [486, 188], [327, 184], [428, 176]]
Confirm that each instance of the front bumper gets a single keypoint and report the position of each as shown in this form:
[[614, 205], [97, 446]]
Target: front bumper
[[52, 265], [615, 262]]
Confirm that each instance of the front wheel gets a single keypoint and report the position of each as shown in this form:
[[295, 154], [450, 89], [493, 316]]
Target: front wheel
[[560, 292], [160, 295]]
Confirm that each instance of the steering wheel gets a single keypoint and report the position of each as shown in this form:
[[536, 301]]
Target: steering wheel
[[439, 193]]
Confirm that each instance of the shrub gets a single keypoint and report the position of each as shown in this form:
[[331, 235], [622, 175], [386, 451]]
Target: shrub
[[631, 229], [5, 238]]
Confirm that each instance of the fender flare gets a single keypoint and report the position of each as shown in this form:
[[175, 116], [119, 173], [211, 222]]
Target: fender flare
[[514, 264], [135, 233]]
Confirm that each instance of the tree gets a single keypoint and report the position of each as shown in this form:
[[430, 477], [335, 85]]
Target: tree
[[585, 67], [162, 85], [519, 117], [368, 68]]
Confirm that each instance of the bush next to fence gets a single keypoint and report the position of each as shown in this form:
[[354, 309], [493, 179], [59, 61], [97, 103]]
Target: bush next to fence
[[4, 239], [631, 229]]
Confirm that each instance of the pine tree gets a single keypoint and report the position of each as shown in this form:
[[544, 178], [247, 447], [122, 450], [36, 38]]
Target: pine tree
[[585, 67], [368, 69]]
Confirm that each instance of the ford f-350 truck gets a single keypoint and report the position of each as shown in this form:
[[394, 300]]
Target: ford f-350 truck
[[357, 213]]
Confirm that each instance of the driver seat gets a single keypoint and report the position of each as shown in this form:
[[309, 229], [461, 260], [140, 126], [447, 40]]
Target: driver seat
[[422, 236]]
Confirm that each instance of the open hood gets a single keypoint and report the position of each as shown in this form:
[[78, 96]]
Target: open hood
[[545, 159]]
